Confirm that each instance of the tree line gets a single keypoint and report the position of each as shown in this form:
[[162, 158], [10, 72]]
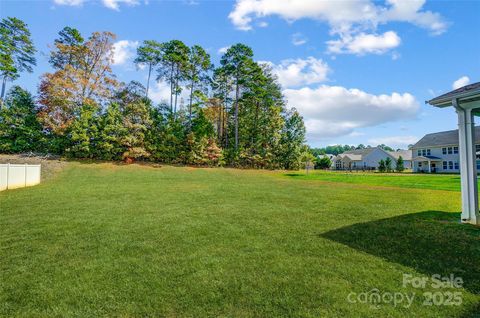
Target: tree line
[[235, 113], [338, 149]]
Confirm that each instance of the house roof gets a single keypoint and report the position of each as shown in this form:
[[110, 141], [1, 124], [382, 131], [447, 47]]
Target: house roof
[[427, 158], [466, 93], [443, 138], [358, 154], [406, 154]]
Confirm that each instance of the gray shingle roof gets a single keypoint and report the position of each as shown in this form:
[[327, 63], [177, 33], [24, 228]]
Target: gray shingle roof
[[443, 138], [406, 154], [361, 152]]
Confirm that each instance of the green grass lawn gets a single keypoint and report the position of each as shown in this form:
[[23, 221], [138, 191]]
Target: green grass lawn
[[404, 180], [101, 240]]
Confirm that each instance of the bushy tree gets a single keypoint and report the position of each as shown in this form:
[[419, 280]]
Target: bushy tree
[[111, 132], [400, 164], [135, 110], [19, 129], [381, 166], [83, 76], [388, 164], [323, 163], [291, 141], [83, 134]]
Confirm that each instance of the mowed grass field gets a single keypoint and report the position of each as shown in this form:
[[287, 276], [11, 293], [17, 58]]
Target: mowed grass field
[[104, 240], [404, 180]]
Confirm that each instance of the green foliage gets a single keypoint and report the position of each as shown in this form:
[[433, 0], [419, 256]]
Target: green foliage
[[338, 149], [323, 163], [172, 68], [400, 167], [291, 141], [17, 52], [149, 54], [236, 117], [82, 134], [381, 166], [69, 46], [388, 164], [111, 132], [19, 128]]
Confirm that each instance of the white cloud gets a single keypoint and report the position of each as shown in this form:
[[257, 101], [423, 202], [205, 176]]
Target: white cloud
[[355, 21], [340, 15], [411, 11], [115, 4], [462, 81], [223, 50], [69, 2], [298, 39], [263, 24], [159, 92], [394, 141], [111, 4], [123, 51], [333, 111], [296, 72], [362, 43]]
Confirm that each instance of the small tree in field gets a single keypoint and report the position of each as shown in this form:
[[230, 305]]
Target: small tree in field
[[388, 164], [400, 165], [323, 163], [381, 166]]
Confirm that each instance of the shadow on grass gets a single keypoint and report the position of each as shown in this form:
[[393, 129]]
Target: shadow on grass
[[431, 242], [293, 174]]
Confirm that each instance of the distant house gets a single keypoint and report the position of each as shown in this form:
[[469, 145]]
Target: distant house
[[363, 159], [438, 152], [406, 156]]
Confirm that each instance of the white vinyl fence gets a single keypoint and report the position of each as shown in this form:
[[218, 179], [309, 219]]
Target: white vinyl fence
[[14, 176]]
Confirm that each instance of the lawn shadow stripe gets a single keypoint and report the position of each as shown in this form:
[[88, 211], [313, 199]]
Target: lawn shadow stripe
[[431, 242]]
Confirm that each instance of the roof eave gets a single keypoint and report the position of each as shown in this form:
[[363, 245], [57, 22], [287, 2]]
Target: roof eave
[[462, 98]]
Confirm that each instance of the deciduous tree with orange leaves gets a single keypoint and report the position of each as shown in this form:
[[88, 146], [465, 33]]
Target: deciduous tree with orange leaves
[[83, 76]]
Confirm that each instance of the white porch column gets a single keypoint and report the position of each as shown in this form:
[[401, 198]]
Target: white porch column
[[429, 167], [468, 166]]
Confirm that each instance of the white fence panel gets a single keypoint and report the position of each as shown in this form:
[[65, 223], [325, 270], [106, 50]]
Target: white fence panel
[[3, 177], [14, 176]]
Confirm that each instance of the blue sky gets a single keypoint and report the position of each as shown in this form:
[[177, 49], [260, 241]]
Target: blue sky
[[358, 71]]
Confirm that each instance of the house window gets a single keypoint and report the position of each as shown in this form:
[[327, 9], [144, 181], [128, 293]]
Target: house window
[[478, 164], [450, 165], [429, 152], [450, 150], [477, 148], [419, 164], [424, 152], [455, 150], [444, 151], [445, 165], [456, 165], [419, 152]]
